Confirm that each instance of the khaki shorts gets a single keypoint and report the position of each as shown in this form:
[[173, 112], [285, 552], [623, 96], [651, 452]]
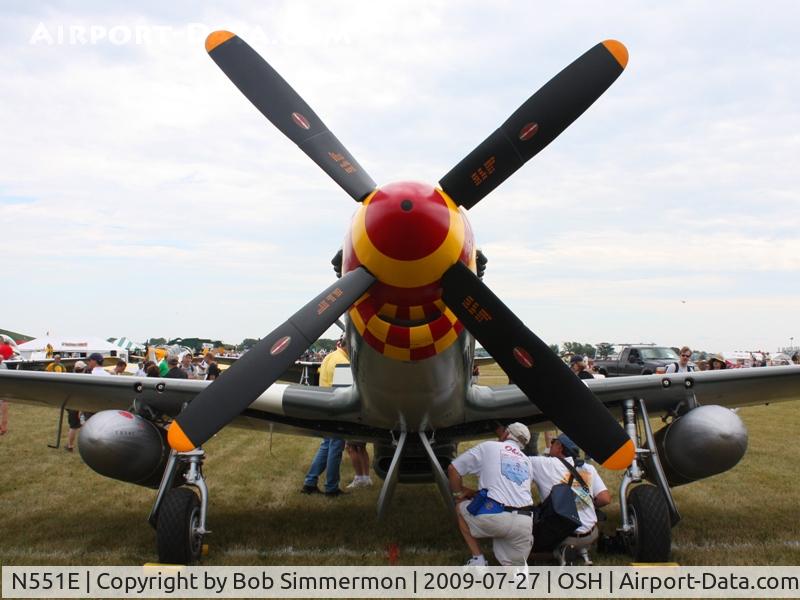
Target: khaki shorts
[[511, 533], [582, 542]]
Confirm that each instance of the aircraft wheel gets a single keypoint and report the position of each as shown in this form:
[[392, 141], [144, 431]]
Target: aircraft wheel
[[650, 539], [177, 531]]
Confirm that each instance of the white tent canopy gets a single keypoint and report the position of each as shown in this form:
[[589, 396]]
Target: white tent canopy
[[72, 347]]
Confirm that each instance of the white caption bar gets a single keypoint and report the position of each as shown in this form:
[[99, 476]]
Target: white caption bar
[[400, 582]]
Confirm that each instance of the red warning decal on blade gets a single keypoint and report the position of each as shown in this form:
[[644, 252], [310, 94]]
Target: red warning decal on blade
[[300, 120], [528, 131], [281, 345], [522, 357]]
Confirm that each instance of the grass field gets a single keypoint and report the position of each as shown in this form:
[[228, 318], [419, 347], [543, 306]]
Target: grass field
[[55, 510]]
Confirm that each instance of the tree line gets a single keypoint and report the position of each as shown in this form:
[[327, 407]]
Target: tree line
[[602, 350]]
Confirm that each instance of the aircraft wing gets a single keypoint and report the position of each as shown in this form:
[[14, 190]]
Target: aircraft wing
[[730, 387], [310, 410], [297, 409]]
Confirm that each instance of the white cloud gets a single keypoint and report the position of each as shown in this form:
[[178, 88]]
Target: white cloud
[[143, 162]]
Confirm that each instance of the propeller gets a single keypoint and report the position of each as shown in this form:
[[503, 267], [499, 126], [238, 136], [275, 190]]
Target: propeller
[[536, 370], [535, 124], [284, 107], [256, 370]]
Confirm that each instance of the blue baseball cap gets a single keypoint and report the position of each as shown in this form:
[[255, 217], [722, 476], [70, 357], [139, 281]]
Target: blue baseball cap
[[570, 447]]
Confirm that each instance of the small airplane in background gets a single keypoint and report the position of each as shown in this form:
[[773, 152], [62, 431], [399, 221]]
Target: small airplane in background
[[414, 302]]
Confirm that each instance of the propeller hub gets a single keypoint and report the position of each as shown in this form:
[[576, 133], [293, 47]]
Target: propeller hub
[[407, 234], [407, 221]]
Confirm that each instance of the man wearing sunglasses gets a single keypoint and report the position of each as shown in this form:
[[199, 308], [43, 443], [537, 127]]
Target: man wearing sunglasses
[[682, 366]]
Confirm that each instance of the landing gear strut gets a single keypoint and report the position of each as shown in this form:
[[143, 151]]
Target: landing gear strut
[[648, 512], [179, 514]]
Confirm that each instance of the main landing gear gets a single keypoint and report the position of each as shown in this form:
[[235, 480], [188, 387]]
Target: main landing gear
[[179, 513], [648, 512]]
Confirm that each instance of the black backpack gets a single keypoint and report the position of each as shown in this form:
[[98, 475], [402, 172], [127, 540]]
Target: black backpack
[[557, 516]]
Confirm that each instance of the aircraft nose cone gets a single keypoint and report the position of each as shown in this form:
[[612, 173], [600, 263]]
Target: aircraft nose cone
[[407, 221]]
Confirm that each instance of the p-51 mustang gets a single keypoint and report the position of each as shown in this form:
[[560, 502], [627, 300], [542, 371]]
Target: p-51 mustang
[[412, 292]]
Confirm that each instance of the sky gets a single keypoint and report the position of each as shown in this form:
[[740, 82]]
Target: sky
[[141, 195]]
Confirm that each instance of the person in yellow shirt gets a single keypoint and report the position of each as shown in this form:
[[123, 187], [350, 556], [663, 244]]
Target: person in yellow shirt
[[56, 366], [327, 369], [329, 455]]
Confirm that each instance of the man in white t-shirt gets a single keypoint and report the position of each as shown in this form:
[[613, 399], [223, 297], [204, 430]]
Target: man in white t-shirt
[[548, 471], [95, 364], [682, 366], [505, 513]]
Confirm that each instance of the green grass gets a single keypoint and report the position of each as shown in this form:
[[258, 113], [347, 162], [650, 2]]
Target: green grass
[[55, 510]]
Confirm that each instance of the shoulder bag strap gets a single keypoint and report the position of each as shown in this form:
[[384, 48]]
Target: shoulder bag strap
[[574, 474]]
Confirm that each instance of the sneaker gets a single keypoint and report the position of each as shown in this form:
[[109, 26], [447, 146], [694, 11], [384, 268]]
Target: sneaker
[[359, 482], [309, 489], [335, 493], [584, 552], [567, 556], [477, 561]]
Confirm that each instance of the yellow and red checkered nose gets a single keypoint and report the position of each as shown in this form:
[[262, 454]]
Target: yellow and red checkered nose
[[407, 235]]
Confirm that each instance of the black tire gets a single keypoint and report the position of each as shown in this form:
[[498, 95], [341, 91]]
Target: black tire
[[651, 537], [176, 530]]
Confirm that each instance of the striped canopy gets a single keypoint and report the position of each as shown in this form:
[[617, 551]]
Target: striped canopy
[[124, 342]]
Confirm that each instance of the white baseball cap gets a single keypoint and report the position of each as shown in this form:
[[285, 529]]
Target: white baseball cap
[[519, 432]]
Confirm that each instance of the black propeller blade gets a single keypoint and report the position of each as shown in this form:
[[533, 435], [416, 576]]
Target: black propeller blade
[[535, 124], [538, 372], [284, 107], [259, 368]]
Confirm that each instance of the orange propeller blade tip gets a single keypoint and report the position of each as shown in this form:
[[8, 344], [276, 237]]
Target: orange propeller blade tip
[[178, 440], [216, 38], [617, 50], [622, 458]]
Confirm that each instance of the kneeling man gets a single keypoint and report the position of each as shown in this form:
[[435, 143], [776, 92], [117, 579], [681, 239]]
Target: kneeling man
[[590, 493], [501, 510]]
